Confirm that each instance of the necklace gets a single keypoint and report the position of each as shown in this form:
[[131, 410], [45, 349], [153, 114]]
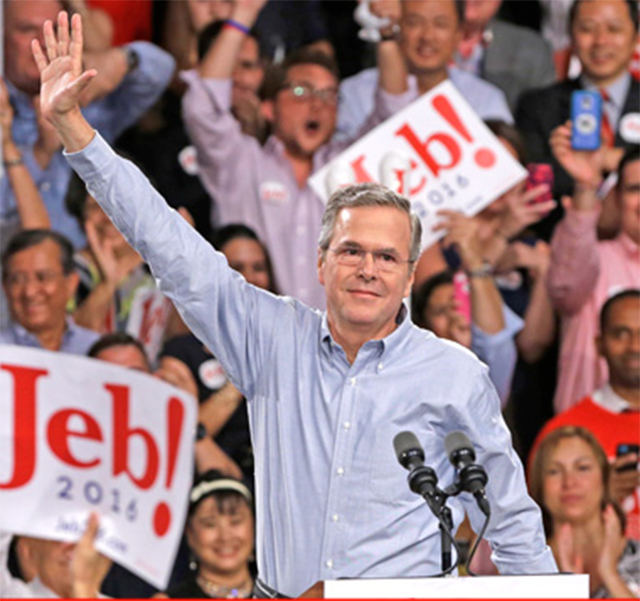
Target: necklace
[[218, 591]]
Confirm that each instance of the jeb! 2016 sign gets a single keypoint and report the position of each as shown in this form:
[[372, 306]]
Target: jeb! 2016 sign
[[80, 435], [436, 152]]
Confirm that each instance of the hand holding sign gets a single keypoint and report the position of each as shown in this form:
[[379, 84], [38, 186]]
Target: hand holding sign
[[436, 152], [83, 435]]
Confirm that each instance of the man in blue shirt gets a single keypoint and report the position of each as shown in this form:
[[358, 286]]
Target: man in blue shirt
[[132, 78], [327, 391], [39, 279]]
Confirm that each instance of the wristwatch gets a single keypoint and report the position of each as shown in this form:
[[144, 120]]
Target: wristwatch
[[133, 59], [484, 271], [201, 432]]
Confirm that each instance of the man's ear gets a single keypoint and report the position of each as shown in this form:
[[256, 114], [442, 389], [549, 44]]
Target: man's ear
[[321, 258], [599, 345], [72, 281], [267, 110]]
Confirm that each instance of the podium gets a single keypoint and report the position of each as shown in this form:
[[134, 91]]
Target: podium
[[557, 586]]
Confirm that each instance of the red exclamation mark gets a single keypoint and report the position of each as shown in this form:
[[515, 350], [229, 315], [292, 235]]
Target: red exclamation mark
[[484, 157], [175, 420]]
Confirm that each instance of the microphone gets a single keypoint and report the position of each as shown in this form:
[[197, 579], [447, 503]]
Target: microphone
[[473, 477], [422, 479]]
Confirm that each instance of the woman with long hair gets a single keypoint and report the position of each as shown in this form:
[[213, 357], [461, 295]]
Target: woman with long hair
[[584, 527]]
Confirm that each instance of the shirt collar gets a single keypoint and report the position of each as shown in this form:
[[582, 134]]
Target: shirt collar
[[617, 90], [26, 338], [629, 246], [608, 399], [386, 345]]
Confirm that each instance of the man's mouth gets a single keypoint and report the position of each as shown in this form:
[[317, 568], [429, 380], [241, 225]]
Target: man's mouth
[[312, 126]]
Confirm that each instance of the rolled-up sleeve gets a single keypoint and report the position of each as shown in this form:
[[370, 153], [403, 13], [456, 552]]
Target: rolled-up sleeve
[[575, 261]]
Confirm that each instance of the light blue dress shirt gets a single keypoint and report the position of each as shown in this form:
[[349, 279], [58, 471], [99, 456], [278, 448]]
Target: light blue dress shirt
[[332, 500], [76, 340]]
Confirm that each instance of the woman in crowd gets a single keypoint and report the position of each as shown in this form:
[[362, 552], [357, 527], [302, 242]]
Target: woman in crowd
[[220, 534], [584, 527]]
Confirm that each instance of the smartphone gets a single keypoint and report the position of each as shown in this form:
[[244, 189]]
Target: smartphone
[[586, 120], [461, 295], [625, 449], [540, 173]]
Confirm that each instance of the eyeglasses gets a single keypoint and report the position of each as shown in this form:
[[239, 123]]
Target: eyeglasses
[[304, 92], [384, 260], [14, 280]]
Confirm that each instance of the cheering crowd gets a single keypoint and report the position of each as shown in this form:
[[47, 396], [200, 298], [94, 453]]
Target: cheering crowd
[[228, 112]]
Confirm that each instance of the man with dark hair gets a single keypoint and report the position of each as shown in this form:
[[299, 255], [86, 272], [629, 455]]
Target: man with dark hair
[[612, 413], [39, 280], [266, 187], [603, 37], [428, 37], [122, 349], [327, 392]]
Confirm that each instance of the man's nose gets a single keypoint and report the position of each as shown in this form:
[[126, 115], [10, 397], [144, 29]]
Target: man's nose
[[368, 266]]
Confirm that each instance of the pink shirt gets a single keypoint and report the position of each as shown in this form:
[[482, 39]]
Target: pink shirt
[[256, 185], [584, 273]]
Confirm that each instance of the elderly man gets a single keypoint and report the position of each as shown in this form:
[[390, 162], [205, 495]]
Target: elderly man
[[39, 279], [132, 78], [429, 34], [328, 392]]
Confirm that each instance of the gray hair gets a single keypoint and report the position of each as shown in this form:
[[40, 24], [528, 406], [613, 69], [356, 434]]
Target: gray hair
[[368, 195]]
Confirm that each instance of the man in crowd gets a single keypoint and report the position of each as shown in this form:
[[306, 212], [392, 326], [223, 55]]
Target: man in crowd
[[66, 570], [513, 58], [132, 78], [584, 271], [327, 392], [39, 280], [265, 187], [603, 37], [612, 413], [428, 37]]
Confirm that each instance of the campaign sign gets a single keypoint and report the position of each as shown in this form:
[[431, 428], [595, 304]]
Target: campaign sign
[[80, 435], [437, 152]]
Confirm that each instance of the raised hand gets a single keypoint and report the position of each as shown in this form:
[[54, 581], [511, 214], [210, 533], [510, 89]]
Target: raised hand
[[462, 232], [584, 166], [62, 80], [521, 211]]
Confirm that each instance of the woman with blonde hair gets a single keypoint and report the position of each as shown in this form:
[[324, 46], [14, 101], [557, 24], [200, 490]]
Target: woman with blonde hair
[[584, 526]]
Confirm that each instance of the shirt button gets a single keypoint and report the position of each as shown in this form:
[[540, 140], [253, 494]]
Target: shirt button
[[380, 366], [340, 471], [335, 517], [329, 563], [346, 425], [45, 186], [353, 381]]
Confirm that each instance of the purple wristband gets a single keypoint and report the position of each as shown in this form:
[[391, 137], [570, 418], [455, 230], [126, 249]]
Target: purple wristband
[[235, 25]]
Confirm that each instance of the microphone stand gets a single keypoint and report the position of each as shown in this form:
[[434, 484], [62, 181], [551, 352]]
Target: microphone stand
[[436, 499]]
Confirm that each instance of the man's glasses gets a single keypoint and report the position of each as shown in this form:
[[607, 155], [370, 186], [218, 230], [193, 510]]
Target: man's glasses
[[20, 278], [383, 260], [304, 92]]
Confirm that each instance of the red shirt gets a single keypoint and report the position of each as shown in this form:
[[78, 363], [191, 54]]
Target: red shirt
[[610, 429]]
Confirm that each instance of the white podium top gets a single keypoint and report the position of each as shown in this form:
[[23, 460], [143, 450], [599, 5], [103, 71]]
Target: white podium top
[[558, 586]]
